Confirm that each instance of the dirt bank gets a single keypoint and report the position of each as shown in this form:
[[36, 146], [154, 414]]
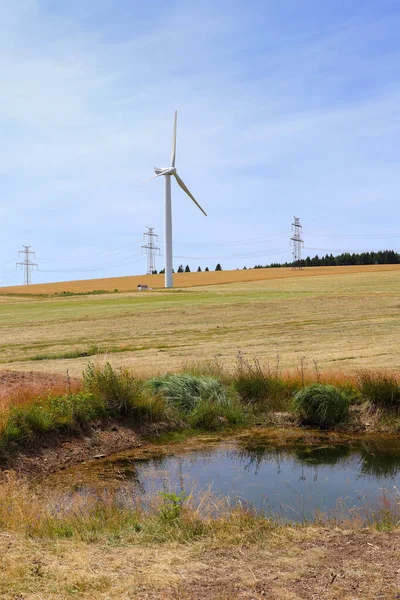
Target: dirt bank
[[57, 452]]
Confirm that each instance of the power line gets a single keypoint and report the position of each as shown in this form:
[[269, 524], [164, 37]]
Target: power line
[[151, 249], [27, 264], [297, 243], [97, 255], [356, 235]]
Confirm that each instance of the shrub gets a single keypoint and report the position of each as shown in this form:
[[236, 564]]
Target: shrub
[[72, 409], [322, 405], [382, 390], [118, 388]]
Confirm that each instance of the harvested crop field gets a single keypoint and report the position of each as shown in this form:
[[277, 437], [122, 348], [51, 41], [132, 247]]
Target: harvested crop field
[[342, 318], [185, 280]]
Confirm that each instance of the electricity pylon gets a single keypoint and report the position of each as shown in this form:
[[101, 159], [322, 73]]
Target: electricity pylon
[[151, 249], [297, 243], [27, 264]]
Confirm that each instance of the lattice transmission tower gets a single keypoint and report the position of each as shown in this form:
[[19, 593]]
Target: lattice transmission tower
[[151, 249], [297, 243], [27, 264]]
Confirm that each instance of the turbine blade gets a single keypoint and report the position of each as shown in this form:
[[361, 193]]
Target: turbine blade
[[173, 151], [150, 178], [185, 189]]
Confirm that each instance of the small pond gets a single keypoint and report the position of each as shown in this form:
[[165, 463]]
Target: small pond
[[296, 481]]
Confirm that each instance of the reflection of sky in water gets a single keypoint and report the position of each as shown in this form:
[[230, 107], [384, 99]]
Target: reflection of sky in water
[[294, 483]]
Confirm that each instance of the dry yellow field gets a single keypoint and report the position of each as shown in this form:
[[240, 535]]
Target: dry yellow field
[[343, 318], [184, 280]]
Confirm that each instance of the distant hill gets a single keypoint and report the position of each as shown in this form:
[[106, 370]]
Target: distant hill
[[186, 280]]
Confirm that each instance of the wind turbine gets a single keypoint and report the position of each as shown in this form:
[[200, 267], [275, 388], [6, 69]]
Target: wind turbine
[[167, 172]]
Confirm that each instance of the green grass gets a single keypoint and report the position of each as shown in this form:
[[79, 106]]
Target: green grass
[[202, 401], [381, 390], [321, 405], [25, 424], [119, 389], [262, 386], [91, 351]]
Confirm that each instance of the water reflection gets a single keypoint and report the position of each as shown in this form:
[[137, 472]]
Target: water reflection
[[296, 481]]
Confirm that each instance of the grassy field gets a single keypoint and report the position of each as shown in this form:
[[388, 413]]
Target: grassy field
[[330, 321], [342, 318]]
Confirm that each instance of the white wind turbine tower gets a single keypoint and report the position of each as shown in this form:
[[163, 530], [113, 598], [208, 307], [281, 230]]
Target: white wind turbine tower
[[167, 172]]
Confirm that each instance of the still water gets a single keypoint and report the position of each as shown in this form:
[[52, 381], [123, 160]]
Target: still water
[[295, 482]]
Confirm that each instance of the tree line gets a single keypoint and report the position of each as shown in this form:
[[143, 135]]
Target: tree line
[[181, 269], [381, 257]]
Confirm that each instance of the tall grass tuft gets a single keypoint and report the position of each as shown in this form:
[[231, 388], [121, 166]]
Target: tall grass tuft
[[382, 390], [321, 405], [262, 386], [119, 388], [202, 401]]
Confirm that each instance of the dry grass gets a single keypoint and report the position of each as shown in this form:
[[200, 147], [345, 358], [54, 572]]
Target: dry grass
[[19, 389], [341, 321], [290, 565], [185, 280], [161, 556]]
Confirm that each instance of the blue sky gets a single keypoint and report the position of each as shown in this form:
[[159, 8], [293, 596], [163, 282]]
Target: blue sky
[[284, 108]]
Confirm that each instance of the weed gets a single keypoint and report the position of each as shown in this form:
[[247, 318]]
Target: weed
[[26, 422], [172, 506]]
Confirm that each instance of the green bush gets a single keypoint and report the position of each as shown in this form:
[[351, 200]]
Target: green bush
[[382, 390], [118, 388], [322, 405]]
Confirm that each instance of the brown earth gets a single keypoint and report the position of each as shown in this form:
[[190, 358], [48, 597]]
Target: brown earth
[[18, 387]]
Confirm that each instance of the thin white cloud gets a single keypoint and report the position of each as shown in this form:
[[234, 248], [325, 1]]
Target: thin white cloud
[[266, 126]]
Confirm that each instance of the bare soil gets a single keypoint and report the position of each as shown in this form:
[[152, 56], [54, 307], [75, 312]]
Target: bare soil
[[13, 381], [57, 452]]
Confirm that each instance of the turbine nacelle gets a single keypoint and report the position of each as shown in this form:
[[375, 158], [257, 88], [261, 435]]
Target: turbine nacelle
[[164, 170]]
